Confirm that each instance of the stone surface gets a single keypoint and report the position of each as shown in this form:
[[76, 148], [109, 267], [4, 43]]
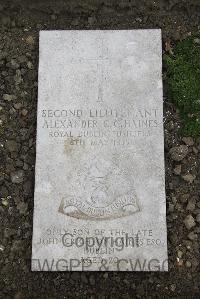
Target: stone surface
[[9, 97], [177, 169], [12, 145], [17, 176], [99, 186], [178, 153], [189, 178], [189, 222], [188, 141]]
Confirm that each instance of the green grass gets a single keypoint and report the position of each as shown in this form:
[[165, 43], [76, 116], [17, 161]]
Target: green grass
[[183, 78]]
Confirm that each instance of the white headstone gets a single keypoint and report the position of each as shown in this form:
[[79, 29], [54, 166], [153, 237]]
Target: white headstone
[[99, 186]]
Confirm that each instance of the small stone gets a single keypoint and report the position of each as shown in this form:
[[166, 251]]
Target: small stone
[[171, 207], [197, 40], [192, 236], [24, 112], [189, 178], [18, 106], [27, 186], [173, 287], [188, 264], [188, 141], [180, 254], [189, 222], [30, 65], [177, 169], [191, 205], [198, 218], [17, 176], [195, 150], [9, 97], [11, 146], [138, 20], [184, 198], [22, 59], [19, 163], [30, 40], [18, 77], [178, 153], [22, 207], [14, 64], [25, 166], [2, 247], [4, 202]]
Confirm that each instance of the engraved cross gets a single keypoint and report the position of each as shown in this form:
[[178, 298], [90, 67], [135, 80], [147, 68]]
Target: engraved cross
[[100, 67]]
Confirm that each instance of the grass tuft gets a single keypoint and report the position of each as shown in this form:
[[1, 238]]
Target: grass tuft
[[183, 78]]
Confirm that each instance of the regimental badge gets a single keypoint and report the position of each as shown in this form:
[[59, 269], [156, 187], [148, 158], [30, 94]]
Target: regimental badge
[[100, 190]]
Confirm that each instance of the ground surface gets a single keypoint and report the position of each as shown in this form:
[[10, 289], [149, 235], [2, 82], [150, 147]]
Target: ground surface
[[19, 26]]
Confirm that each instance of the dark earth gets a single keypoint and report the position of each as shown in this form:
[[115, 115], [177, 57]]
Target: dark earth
[[20, 23]]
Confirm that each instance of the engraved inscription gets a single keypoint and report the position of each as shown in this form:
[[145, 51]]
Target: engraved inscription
[[102, 201], [101, 127]]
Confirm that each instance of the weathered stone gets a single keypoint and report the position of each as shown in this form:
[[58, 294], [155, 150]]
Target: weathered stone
[[191, 204], [24, 112], [22, 207], [178, 153], [9, 97], [197, 40], [188, 264], [177, 169], [30, 40], [192, 236], [18, 106], [189, 222], [12, 145], [180, 254], [188, 141], [17, 176], [5, 202], [195, 150], [18, 78], [14, 64], [189, 178], [198, 218], [100, 150]]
